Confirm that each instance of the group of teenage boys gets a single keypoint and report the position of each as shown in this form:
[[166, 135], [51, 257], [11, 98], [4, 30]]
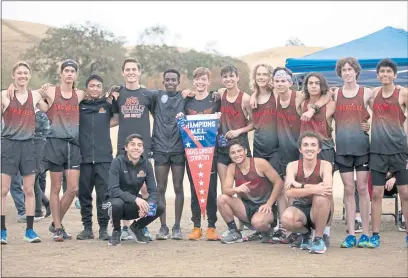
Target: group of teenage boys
[[286, 179]]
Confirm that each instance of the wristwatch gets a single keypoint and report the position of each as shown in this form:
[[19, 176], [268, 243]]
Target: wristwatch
[[302, 186], [315, 108]]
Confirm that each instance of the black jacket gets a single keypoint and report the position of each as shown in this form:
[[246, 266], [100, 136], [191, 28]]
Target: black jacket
[[126, 179], [94, 131]]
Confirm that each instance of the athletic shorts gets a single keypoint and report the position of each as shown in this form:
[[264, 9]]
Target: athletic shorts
[[347, 163], [163, 159], [306, 209], [379, 178], [251, 208], [39, 153], [274, 160], [61, 155], [18, 155]]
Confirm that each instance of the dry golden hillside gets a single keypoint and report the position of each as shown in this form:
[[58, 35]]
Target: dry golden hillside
[[17, 36], [277, 56]]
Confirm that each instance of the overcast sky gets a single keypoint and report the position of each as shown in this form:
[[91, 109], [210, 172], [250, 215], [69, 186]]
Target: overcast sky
[[235, 28]]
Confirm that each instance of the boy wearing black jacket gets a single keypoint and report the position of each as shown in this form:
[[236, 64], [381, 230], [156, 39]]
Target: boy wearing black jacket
[[96, 151], [127, 174]]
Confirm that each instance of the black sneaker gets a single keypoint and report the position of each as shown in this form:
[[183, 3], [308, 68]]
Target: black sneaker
[[295, 240], [85, 234], [115, 239], [103, 234], [232, 237], [58, 236], [267, 237], [358, 227], [139, 234], [280, 236], [65, 234], [255, 236]]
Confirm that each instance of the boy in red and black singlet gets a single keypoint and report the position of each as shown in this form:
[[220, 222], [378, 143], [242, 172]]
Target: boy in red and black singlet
[[236, 118], [17, 145], [203, 103], [62, 152], [309, 181], [289, 114], [266, 143], [389, 149], [257, 185], [352, 146], [315, 85]]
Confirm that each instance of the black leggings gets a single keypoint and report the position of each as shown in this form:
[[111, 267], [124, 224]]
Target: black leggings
[[129, 211]]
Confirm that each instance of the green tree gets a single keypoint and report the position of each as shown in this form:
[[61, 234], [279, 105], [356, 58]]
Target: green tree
[[96, 50]]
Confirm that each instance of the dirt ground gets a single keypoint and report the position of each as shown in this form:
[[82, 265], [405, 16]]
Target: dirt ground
[[201, 258]]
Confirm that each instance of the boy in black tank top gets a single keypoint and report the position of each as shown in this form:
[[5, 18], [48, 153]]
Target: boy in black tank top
[[17, 145], [309, 181], [389, 147], [257, 185]]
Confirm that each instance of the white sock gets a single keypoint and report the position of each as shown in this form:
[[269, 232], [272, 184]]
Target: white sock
[[327, 230], [358, 218], [403, 219]]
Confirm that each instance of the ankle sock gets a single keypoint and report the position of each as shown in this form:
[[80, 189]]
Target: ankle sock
[[30, 222], [232, 225], [327, 230]]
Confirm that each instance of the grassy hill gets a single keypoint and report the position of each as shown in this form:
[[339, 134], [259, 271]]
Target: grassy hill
[[18, 36], [277, 56]]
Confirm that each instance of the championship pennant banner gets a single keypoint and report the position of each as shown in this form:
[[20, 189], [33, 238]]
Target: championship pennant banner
[[198, 133]]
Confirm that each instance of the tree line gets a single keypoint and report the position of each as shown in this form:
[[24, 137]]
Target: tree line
[[101, 52]]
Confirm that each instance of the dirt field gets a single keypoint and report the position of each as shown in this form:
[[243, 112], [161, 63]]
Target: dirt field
[[185, 258]]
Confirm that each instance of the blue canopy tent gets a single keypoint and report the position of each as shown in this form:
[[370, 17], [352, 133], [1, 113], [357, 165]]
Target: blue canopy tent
[[369, 50]]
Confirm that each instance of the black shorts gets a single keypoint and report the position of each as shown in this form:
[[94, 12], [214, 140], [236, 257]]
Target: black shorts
[[388, 162], [347, 163], [306, 209], [379, 178], [61, 155], [18, 155], [274, 160], [39, 153], [251, 208], [163, 159], [225, 159], [328, 155]]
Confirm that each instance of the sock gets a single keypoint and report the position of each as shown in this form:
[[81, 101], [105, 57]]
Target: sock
[[30, 222], [3, 222], [358, 218], [378, 234], [327, 230], [176, 226], [232, 226]]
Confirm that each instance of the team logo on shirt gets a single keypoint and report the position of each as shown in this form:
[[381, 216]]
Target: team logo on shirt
[[102, 110], [132, 108], [141, 174], [164, 98]]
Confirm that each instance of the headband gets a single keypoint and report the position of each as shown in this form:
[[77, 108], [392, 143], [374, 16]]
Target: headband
[[283, 74], [69, 64]]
